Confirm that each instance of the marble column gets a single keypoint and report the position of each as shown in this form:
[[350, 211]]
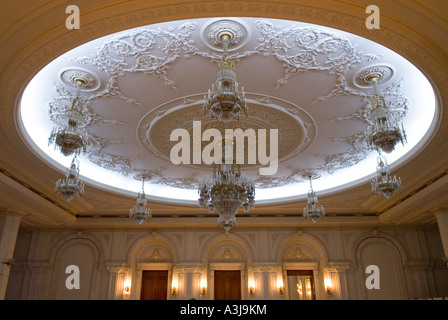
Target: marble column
[[9, 227]]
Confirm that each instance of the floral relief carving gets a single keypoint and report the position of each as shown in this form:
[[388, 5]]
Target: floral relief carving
[[147, 51], [309, 48]]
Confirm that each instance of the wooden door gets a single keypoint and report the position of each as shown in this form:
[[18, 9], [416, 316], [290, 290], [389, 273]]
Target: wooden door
[[227, 285], [154, 285]]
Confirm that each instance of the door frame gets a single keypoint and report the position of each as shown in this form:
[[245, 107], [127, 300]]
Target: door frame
[[317, 276], [149, 266], [228, 266]]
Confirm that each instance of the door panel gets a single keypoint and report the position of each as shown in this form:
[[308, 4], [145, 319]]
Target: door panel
[[154, 285], [227, 285]]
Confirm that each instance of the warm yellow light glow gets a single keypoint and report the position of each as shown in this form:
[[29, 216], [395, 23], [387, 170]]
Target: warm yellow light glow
[[251, 286], [308, 286], [174, 286], [127, 286], [280, 285], [327, 282], [203, 286], [299, 288]]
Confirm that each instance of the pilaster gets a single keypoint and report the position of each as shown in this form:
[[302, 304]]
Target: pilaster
[[9, 227]]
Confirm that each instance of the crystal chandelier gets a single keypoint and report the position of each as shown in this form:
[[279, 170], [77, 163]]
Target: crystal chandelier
[[139, 212], [383, 183], [69, 138], [385, 129], [70, 187], [312, 210], [226, 193], [226, 103]]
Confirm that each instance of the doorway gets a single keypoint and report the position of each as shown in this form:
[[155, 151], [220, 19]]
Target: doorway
[[227, 285], [301, 285], [154, 285]]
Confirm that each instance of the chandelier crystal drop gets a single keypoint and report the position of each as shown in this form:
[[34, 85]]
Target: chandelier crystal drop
[[139, 212], [70, 139], [383, 182], [385, 129], [225, 104], [312, 210], [70, 187], [226, 193]]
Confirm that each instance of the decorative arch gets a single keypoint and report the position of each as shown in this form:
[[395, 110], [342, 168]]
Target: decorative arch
[[152, 248], [303, 251], [150, 252], [377, 235], [238, 249], [301, 247], [227, 252], [84, 251], [386, 252], [93, 241]]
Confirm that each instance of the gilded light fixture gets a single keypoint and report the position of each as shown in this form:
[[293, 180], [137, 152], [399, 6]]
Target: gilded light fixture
[[383, 183], [312, 210], [280, 286], [251, 287], [226, 103], [385, 129], [70, 138], [70, 187], [139, 212], [226, 193], [228, 190]]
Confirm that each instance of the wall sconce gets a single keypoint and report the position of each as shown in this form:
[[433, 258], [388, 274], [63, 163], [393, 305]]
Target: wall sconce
[[280, 286], [127, 288], [328, 286], [203, 287], [174, 286], [251, 287]]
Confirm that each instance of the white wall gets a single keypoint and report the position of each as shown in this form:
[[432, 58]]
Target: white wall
[[409, 260]]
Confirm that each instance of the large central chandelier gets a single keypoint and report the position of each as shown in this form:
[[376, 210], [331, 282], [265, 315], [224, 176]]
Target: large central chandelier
[[383, 182], [227, 191], [225, 104], [312, 210], [69, 138], [70, 187], [386, 129]]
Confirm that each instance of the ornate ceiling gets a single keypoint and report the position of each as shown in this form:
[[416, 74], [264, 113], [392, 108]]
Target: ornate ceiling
[[306, 80]]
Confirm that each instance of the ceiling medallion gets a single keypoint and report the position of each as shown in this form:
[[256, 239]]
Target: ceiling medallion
[[226, 103], [237, 29], [72, 76], [297, 131], [312, 210], [382, 72], [139, 212]]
